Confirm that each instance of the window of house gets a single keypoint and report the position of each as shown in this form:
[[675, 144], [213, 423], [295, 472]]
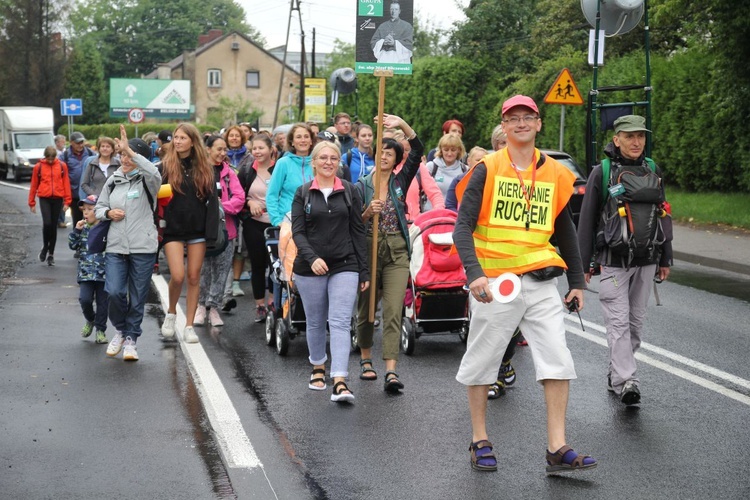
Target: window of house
[[253, 79], [214, 78]]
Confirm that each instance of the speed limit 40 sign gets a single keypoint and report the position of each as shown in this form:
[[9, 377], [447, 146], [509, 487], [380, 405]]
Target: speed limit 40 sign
[[136, 115]]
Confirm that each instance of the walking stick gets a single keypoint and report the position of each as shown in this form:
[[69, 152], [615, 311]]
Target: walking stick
[[382, 73]]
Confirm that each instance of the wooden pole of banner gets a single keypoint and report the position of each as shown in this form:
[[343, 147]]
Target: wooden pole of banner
[[383, 74]]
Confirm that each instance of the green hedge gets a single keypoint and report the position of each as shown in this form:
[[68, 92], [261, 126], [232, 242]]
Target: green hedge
[[92, 132]]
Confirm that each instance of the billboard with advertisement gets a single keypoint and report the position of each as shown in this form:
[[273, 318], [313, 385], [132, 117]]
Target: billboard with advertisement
[[315, 100], [157, 98], [385, 36]]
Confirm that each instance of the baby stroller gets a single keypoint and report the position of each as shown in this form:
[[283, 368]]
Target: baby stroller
[[437, 299], [287, 317]]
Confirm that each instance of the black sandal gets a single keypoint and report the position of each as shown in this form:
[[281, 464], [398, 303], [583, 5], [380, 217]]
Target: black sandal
[[339, 395], [365, 370], [314, 379], [392, 383]]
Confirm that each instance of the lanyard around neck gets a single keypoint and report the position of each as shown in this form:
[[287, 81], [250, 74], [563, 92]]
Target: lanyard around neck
[[526, 193]]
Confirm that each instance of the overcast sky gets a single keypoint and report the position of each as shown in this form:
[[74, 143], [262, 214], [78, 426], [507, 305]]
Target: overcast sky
[[331, 19]]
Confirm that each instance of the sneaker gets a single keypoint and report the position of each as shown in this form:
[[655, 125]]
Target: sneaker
[[200, 316], [496, 390], [115, 345], [62, 225], [630, 394], [101, 337], [77, 254], [87, 329], [43, 255], [508, 373], [167, 328], [260, 314], [129, 352], [189, 336], [236, 290], [50, 260], [229, 305], [609, 384], [245, 276], [214, 317]]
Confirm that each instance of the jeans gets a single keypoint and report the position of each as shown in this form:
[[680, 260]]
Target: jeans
[[128, 278], [87, 291], [329, 298], [214, 277]]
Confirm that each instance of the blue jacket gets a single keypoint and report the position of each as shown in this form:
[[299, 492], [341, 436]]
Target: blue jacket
[[360, 165], [75, 167], [290, 172], [90, 265]]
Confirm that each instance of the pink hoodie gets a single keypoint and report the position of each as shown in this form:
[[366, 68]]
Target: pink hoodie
[[430, 188], [232, 206]]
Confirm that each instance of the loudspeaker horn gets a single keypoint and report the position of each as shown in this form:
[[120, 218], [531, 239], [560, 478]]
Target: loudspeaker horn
[[617, 16], [343, 80]]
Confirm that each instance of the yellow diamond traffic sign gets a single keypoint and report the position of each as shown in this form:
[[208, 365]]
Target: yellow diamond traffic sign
[[564, 90]]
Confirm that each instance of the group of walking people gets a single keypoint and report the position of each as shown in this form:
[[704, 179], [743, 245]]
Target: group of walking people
[[323, 185]]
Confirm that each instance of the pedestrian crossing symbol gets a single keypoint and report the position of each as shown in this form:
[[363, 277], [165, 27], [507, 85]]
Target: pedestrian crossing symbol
[[564, 90]]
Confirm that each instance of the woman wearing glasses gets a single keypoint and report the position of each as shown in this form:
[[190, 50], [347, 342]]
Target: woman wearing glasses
[[331, 265]]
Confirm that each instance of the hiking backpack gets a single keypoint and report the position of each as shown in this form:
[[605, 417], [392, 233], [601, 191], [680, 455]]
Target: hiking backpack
[[630, 226]]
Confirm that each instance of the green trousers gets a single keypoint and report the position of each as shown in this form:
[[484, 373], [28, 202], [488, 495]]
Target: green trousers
[[392, 275]]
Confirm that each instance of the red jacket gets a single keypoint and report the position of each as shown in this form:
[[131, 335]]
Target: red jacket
[[50, 181]]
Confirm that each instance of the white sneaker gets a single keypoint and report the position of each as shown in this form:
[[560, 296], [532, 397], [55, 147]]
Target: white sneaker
[[115, 345], [236, 290], [129, 352], [189, 336], [200, 316], [167, 329], [214, 317]]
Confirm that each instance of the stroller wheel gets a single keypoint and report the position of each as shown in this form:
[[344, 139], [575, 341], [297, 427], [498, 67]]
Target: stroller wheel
[[282, 337], [270, 328], [408, 338], [463, 333]]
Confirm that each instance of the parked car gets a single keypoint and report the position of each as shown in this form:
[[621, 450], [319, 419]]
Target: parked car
[[579, 185]]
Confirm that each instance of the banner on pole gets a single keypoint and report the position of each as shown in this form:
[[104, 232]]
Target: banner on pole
[[385, 36]]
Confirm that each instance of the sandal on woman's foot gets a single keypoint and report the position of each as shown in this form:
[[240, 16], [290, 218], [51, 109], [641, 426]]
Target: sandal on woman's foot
[[342, 393], [318, 376], [366, 369], [482, 457], [392, 383], [567, 460]]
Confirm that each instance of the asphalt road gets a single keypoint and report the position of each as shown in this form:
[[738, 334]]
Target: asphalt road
[[116, 425]]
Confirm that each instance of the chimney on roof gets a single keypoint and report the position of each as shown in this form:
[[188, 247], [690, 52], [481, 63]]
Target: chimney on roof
[[211, 35]]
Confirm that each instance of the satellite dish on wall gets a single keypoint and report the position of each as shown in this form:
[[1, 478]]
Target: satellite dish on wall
[[617, 16], [343, 80]]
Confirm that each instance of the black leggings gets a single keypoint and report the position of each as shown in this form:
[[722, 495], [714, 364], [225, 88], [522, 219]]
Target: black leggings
[[255, 242], [50, 208]]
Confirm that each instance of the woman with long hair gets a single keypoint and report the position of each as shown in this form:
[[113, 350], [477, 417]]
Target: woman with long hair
[[100, 168], [49, 182], [292, 170], [331, 265], [361, 158], [393, 249], [254, 179], [216, 268], [190, 175]]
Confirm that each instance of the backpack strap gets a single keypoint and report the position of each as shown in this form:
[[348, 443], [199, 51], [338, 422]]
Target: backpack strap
[[145, 188], [606, 164], [434, 169], [349, 158], [226, 183], [347, 194]]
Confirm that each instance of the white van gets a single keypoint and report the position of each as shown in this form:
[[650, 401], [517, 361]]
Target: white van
[[24, 133]]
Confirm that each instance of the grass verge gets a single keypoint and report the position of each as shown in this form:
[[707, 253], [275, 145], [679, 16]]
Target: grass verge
[[732, 209]]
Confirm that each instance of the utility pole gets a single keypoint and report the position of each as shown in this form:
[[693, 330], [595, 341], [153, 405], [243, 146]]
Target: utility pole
[[312, 56], [283, 64], [302, 67]]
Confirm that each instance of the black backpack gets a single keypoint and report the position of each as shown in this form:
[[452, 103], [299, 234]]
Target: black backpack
[[630, 225]]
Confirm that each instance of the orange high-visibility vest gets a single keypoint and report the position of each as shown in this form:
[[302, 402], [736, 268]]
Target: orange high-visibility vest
[[502, 242]]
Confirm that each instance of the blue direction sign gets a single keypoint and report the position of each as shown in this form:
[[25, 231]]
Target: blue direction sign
[[71, 107]]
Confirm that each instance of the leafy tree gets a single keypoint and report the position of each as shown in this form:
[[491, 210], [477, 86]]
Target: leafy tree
[[134, 36], [84, 79], [232, 110]]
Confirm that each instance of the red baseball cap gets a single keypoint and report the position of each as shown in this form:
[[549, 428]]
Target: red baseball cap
[[520, 100]]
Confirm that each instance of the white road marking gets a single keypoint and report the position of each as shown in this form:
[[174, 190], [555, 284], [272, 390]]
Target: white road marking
[[225, 420], [720, 389]]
